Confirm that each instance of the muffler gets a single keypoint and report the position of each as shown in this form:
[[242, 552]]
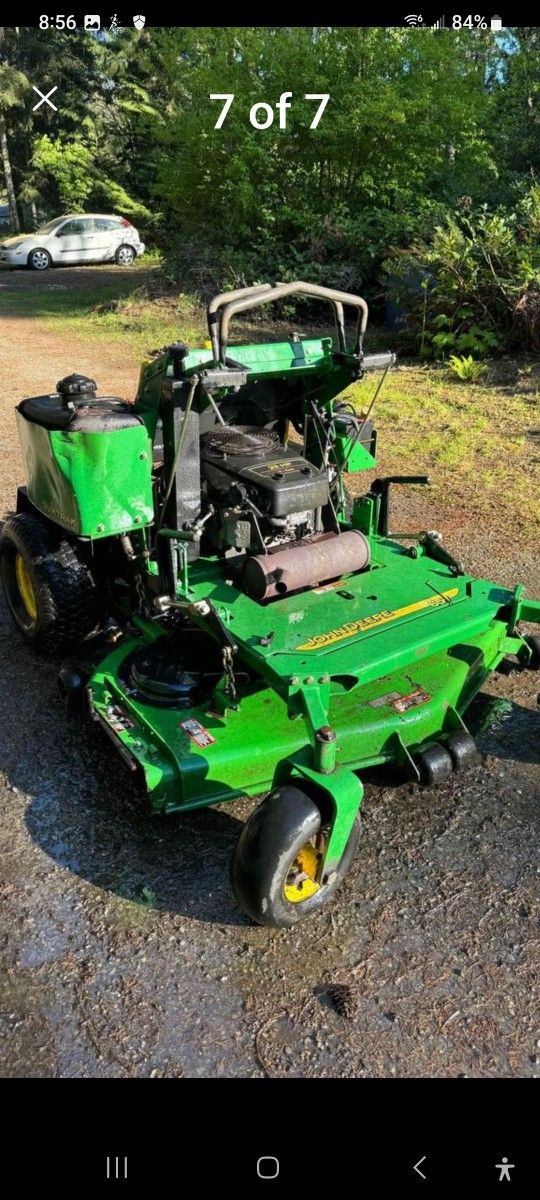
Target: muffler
[[305, 564]]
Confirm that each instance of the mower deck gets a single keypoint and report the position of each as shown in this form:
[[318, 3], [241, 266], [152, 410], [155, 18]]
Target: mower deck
[[403, 649]]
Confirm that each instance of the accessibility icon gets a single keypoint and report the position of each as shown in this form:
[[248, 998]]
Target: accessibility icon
[[504, 1169]]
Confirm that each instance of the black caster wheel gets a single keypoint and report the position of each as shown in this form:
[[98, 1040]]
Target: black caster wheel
[[275, 863], [71, 685], [434, 763], [533, 643], [462, 749]]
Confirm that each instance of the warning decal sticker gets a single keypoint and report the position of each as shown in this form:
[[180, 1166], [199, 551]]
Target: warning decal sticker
[[381, 701], [197, 733], [381, 618], [411, 701]]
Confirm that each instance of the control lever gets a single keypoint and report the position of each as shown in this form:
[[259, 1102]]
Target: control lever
[[381, 488]]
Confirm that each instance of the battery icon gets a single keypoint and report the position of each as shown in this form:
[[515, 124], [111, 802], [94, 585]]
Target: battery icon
[[496, 23]]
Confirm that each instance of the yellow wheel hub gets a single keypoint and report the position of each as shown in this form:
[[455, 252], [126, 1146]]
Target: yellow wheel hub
[[301, 881], [26, 587]]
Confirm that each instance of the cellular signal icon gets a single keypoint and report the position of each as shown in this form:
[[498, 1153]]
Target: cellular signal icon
[[438, 24], [414, 19]]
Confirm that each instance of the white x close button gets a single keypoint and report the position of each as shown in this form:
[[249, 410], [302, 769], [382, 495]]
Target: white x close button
[[44, 98]]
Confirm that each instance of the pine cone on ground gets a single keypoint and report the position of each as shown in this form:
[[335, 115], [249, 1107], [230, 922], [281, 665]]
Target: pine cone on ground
[[344, 1000]]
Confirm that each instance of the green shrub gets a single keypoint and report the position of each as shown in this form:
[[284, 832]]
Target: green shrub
[[475, 286], [342, 247], [466, 368]]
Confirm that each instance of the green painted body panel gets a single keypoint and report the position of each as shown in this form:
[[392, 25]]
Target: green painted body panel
[[92, 484], [356, 457], [251, 741], [273, 358], [390, 687], [312, 359], [394, 581]]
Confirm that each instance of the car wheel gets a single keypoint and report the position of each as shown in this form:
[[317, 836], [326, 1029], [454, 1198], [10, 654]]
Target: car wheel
[[39, 259], [124, 256]]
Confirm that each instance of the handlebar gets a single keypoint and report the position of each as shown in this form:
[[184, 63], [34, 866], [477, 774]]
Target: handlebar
[[222, 299], [378, 362], [231, 303]]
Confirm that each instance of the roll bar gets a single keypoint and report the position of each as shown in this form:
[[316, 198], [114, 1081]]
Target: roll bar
[[231, 303]]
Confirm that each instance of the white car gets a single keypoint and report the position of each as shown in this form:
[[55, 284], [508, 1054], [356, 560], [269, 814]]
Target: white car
[[74, 238]]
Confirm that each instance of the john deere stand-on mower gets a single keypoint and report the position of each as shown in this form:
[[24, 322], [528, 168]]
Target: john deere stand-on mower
[[262, 636]]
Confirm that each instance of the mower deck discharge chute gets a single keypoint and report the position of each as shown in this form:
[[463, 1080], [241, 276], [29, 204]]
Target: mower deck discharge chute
[[263, 636]]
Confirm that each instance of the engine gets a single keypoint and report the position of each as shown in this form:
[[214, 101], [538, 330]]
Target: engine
[[260, 494]]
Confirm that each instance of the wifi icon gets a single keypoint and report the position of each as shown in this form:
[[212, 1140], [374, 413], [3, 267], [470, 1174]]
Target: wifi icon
[[414, 19]]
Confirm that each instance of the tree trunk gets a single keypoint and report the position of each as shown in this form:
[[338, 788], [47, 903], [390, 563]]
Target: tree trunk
[[6, 163]]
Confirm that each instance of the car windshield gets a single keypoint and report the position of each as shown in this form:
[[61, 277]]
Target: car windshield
[[48, 228]]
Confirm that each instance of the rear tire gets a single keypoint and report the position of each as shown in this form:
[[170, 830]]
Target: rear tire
[[266, 869], [49, 590], [434, 764], [124, 256], [39, 259]]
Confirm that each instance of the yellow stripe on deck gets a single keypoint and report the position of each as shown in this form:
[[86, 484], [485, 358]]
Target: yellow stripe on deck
[[381, 618]]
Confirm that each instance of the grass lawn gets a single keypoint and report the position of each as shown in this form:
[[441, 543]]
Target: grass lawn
[[120, 306], [479, 442]]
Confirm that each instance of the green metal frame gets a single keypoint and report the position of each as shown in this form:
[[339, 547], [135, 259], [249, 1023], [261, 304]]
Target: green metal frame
[[355, 674], [361, 672]]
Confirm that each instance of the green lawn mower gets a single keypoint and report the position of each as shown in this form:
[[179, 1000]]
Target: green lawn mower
[[260, 633]]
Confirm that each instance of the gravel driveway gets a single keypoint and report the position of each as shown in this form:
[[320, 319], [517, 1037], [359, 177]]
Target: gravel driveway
[[122, 950]]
